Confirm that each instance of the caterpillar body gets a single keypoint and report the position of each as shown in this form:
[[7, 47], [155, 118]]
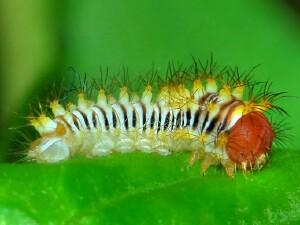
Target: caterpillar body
[[197, 112]]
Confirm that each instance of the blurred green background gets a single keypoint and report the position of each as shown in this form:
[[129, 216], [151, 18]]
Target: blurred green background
[[43, 38], [39, 40]]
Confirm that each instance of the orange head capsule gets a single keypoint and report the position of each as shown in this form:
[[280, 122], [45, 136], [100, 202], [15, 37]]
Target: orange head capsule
[[249, 140]]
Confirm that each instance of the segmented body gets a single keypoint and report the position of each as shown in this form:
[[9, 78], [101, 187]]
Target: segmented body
[[198, 119], [150, 126]]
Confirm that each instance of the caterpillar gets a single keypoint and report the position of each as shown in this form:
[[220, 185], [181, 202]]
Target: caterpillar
[[194, 109]]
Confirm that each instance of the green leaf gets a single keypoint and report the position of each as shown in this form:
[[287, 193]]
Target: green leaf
[[139, 188]]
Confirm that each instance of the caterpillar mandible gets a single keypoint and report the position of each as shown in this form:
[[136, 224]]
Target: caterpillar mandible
[[194, 109]]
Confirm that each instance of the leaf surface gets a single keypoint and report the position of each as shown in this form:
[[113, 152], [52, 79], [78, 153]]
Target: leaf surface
[[138, 188]]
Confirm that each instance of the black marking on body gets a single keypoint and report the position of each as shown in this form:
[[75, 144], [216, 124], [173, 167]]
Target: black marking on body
[[223, 124], [114, 118], [203, 98], [213, 97], [152, 120], [94, 118], [212, 124], [85, 119], [75, 121], [167, 121], [182, 119], [188, 117], [177, 121], [144, 111], [105, 116], [205, 121], [221, 127], [125, 115], [196, 120], [65, 122], [159, 119], [134, 117], [172, 121]]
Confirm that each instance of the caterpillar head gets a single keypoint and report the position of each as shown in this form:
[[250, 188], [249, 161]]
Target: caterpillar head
[[250, 140], [51, 146]]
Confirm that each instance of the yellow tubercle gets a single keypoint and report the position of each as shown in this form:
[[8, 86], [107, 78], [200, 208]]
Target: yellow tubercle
[[43, 118], [164, 136], [147, 94], [124, 97], [178, 96], [192, 104], [111, 99], [211, 85], [250, 107], [238, 111], [117, 132], [135, 98], [187, 93], [152, 134], [225, 91], [57, 108], [263, 106], [80, 95], [43, 124], [82, 102], [54, 104], [148, 89], [71, 106], [211, 107], [164, 93], [101, 99], [222, 140], [182, 90], [101, 93], [181, 134], [197, 85], [198, 90], [238, 91], [202, 138], [225, 94], [123, 90]]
